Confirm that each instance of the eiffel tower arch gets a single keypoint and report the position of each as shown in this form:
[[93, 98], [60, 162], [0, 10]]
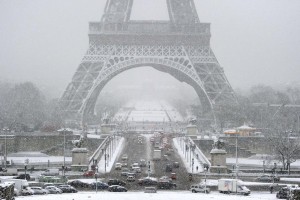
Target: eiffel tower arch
[[179, 46]]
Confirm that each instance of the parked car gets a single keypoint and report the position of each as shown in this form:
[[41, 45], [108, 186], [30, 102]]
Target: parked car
[[78, 184], [89, 173], [166, 185], [39, 190], [100, 185], [23, 176], [53, 190], [165, 178], [199, 188], [267, 178], [116, 182], [117, 188], [147, 181], [282, 193], [67, 189]]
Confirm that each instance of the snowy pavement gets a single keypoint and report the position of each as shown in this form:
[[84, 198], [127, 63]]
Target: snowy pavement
[[160, 195]]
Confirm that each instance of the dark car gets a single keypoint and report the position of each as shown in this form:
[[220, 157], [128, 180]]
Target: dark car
[[148, 181], [67, 189], [124, 172], [117, 188], [116, 182], [267, 178], [79, 184], [168, 168], [22, 176], [176, 164], [166, 185], [282, 193], [100, 185]]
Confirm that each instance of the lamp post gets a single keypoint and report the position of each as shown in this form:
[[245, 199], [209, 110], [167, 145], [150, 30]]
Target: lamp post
[[25, 168], [104, 151], [205, 170], [96, 176], [236, 156], [64, 164], [5, 146], [192, 165], [148, 168]]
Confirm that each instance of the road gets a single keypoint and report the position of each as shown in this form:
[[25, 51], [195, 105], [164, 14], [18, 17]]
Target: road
[[136, 151]]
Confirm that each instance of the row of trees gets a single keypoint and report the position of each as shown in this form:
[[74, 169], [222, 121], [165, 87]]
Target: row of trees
[[23, 107]]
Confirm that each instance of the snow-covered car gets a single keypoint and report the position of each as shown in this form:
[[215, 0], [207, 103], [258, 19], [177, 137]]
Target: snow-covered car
[[117, 188], [39, 190], [118, 166], [130, 178], [267, 178], [199, 188]]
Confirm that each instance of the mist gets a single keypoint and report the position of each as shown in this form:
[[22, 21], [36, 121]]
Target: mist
[[257, 42]]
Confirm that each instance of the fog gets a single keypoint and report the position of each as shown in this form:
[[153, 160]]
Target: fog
[[43, 41]]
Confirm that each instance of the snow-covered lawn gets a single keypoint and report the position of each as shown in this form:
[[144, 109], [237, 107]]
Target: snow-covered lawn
[[160, 195]]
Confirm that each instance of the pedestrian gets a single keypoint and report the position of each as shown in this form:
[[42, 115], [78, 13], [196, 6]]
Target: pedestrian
[[197, 168], [271, 189]]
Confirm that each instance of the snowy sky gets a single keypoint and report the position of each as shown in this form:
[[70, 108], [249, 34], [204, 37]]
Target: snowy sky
[[256, 41]]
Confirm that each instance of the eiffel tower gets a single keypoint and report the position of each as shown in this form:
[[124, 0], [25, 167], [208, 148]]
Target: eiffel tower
[[179, 47]]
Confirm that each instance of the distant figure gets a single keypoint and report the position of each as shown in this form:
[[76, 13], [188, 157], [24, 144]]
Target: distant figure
[[271, 189], [197, 168]]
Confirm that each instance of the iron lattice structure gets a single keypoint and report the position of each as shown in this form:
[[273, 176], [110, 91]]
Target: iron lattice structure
[[180, 47]]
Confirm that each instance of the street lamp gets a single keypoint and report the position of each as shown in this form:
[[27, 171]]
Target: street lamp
[[148, 168], [205, 170], [192, 165], [64, 164], [25, 167], [5, 146], [96, 176], [104, 151]]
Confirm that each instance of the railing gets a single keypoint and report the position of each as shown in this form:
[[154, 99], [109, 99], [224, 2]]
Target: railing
[[98, 153], [148, 27]]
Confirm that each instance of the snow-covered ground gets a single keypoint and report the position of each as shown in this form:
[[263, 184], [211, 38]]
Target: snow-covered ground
[[148, 111], [160, 195]]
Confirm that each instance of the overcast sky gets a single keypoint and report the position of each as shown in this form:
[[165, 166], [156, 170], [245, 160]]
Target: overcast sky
[[256, 41]]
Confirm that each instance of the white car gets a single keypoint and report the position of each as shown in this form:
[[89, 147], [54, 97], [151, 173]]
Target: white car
[[53, 190], [39, 190], [199, 188], [136, 169], [118, 166]]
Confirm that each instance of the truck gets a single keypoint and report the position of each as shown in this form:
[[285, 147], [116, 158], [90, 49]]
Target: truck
[[22, 186], [9, 172], [156, 154], [228, 186]]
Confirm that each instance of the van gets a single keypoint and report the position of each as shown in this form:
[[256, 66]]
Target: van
[[150, 190]]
